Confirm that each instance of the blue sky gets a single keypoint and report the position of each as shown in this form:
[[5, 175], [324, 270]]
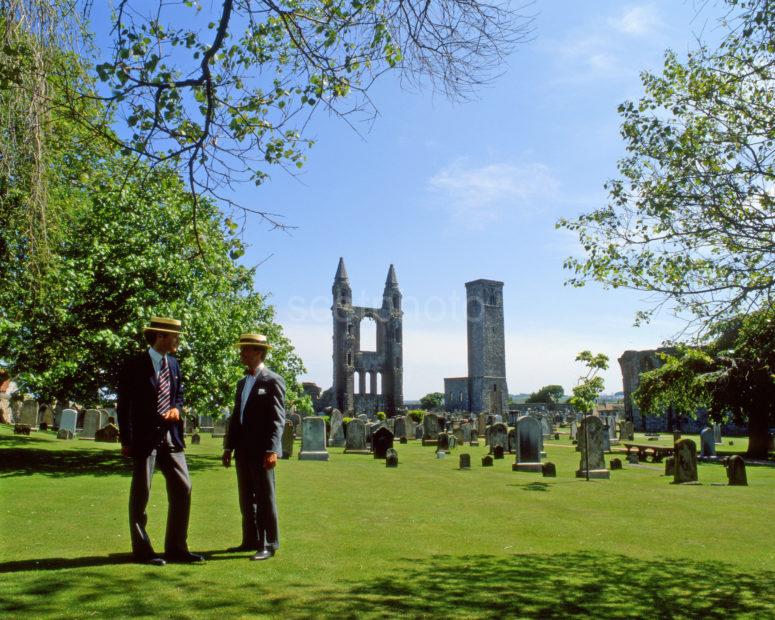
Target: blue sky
[[452, 192]]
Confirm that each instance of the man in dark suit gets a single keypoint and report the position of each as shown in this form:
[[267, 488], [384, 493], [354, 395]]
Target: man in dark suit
[[255, 435], [150, 398]]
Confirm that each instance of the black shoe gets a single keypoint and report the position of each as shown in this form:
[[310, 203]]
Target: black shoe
[[185, 557], [242, 547], [149, 559], [264, 554]]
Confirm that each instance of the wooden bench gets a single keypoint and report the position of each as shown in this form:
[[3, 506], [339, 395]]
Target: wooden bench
[[643, 450]]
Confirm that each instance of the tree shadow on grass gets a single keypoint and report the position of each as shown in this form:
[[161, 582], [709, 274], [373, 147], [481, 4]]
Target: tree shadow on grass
[[20, 440], [569, 585], [67, 463]]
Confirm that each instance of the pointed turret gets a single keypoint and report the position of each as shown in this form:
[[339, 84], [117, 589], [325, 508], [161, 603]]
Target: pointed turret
[[391, 298], [341, 272], [391, 281]]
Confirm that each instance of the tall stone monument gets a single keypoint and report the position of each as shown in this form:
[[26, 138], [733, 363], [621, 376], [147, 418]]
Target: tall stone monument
[[357, 373]]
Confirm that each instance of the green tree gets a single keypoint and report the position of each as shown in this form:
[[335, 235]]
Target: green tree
[[549, 394], [432, 402], [589, 386], [733, 375], [123, 252], [691, 218]]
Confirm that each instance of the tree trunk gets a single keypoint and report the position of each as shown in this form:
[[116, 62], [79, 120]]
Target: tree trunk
[[758, 433]]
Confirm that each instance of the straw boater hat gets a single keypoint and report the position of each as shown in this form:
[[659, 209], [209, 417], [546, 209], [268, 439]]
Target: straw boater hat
[[253, 340], [164, 324]]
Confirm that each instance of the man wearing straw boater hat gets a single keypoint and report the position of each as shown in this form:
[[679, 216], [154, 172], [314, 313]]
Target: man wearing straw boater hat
[[255, 435], [150, 398]]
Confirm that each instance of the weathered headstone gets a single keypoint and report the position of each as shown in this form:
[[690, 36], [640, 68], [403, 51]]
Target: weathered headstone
[[196, 439], [313, 439], [626, 431], [459, 436], [68, 419], [606, 439], [481, 425], [707, 444], [6, 416], [418, 431], [64, 433], [381, 442], [685, 462], [21, 429], [574, 429], [431, 429], [91, 420], [356, 437], [336, 436], [295, 419], [440, 454], [511, 442], [736, 471], [442, 442], [498, 435], [633, 458], [399, 427], [46, 415], [549, 470], [205, 423], [528, 445], [287, 439], [497, 452], [590, 438], [107, 434], [669, 466], [474, 441], [29, 414], [465, 461], [487, 461], [717, 433], [391, 458], [467, 429], [616, 464]]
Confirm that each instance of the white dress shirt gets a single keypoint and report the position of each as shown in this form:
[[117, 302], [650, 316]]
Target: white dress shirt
[[250, 381], [156, 358]]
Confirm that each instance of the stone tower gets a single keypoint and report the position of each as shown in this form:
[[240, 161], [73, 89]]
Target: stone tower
[[487, 389], [367, 381]]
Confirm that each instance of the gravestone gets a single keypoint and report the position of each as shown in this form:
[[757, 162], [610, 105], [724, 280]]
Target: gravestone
[[68, 420], [391, 458], [465, 461], [590, 440], [64, 433], [21, 429], [459, 436], [355, 442], [528, 445], [606, 439], [487, 461], [474, 441], [219, 426], [442, 442], [418, 430], [440, 454], [399, 427], [313, 439], [336, 436], [403, 440], [498, 452], [104, 418], [498, 435], [546, 426], [410, 426], [431, 429], [196, 439], [107, 434], [549, 470], [736, 471], [612, 430], [381, 442], [46, 415], [717, 433], [574, 430], [29, 413], [205, 423], [633, 458], [685, 462], [616, 464], [626, 431], [669, 466], [481, 425], [6, 414], [91, 420], [707, 444], [512, 441], [295, 419], [287, 439], [467, 430]]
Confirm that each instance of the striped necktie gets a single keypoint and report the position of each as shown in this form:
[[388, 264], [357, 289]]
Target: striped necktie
[[163, 400]]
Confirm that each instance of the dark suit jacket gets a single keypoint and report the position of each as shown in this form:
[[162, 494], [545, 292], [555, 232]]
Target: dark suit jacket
[[261, 430], [140, 425]]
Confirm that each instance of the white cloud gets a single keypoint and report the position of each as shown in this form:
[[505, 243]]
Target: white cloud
[[637, 21], [476, 195]]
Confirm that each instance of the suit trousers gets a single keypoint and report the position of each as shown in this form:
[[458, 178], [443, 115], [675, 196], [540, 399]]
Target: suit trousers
[[257, 502], [175, 470]]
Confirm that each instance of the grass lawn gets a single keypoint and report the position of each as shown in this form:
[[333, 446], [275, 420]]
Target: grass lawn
[[361, 540]]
